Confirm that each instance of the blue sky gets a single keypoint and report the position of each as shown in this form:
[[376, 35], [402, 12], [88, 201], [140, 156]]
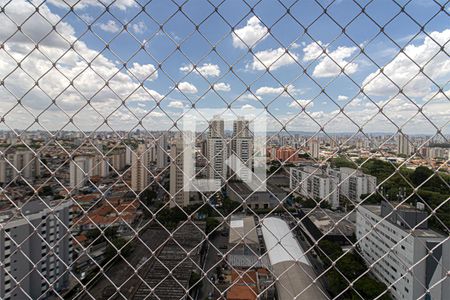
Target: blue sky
[[169, 84]]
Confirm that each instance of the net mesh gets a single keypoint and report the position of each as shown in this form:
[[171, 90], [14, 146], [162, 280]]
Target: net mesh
[[131, 133]]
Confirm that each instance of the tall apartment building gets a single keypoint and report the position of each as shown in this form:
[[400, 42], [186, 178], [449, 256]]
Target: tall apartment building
[[404, 147], [178, 194], [387, 238], [217, 150], [286, 154], [438, 152], [242, 147], [315, 183], [118, 158], [33, 263], [161, 152], [314, 149], [354, 183], [19, 159], [81, 167], [140, 176]]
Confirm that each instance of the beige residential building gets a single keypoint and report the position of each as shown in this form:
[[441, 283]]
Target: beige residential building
[[19, 160], [178, 195], [140, 174], [314, 149], [81, 169], [217, 150]]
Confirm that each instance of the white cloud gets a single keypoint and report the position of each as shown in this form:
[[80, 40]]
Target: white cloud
[[355, 102], [86, 17], [342, 98], [186, 87], [222, 86], [88, 80], [80, 4], [156, 114], [247, 107], [144, 72], [313, 51], [330, 65], [301, 103], [250, 34], [249, 96], [403, 70], [176, 104], [273, 58], [207, 70], [110, 26], [267, 90], [139, 27]]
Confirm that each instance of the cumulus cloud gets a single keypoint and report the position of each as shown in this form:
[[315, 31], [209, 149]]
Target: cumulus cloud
[[301, 103], [143, 72], [222, 86], [273, 59], [139, 27], [187, 88], [406, 66], [247, 107], [342, 98], [313, 51], [207, 70], [176, 104], [267, 90], [331, 63], [250, 34], [249, 96], [80, 82], [110, 26], [80, 4]]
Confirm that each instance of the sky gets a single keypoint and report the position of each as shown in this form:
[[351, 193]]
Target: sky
[[131, 66]]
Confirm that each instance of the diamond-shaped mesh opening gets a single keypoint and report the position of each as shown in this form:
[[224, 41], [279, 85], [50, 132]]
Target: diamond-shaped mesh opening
[[224, 149]]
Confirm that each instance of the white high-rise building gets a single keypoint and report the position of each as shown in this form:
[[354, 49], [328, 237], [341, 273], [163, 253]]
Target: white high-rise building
[[404, 147], [19, 159], [51, 221], [118, 158], [314, 149], [354, 183], [161, 152], [139, 169], [242, 148], [81, 167], [217, 150], [100, 166], [415, 262], [178, 195], [315, 183]]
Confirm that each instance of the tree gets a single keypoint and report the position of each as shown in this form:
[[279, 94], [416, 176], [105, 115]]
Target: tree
[[331, 250], [340, 162], [369, 288], [420, 174], [211, 224]]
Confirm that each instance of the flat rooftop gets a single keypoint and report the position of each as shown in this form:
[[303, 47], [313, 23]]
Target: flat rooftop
[[376, 209], [243, 230], [243, 189], [329, 222]]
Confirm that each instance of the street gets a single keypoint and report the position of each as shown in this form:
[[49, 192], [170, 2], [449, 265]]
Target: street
[[212, 259]]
